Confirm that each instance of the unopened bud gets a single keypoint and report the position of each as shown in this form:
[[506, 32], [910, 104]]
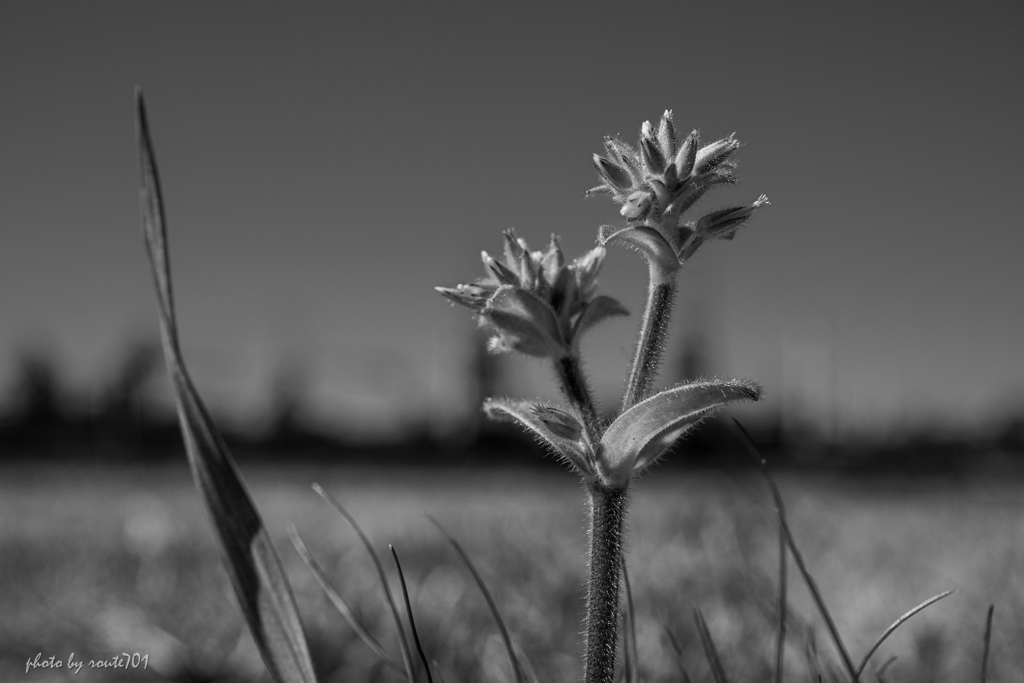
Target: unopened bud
[[687, 156], [613, 173], [667, 135]]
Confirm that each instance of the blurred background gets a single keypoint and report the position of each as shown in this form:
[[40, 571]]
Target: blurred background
[[326, 165]]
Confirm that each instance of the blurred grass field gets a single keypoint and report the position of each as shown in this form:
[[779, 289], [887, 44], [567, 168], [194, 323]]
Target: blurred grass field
[[102, 560]]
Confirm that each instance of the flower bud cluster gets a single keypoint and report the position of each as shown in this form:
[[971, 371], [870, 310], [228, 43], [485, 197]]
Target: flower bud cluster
[[537, 302], [663, 177]]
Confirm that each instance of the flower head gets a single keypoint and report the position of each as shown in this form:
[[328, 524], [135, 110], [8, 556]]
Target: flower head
[[663, 177], [537, 303]]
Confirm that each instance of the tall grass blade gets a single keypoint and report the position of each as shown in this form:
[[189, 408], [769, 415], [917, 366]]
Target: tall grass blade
[[408, 612], [263, 592], [632, 662], [812, 586], [988, 641], [440, 674], [895, 625], [710, 652], [516, 670], [339, 602], [403, 642], [780, 633], [679, 654]]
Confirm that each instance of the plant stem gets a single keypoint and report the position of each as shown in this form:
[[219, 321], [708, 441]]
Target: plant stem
[[607, 513], [574, 386], [651, 343]]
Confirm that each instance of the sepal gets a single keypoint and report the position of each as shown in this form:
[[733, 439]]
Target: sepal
[[525, 323]]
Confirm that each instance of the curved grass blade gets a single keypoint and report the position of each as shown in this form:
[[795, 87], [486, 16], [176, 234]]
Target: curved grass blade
[[714, 661], [812, 586], [255, 570], [780, 634], [988, 641], [882, 669], [402, 640], [339, 602], [632, 662], [895, 625], [679, 654], [516, 670], [408, 611]]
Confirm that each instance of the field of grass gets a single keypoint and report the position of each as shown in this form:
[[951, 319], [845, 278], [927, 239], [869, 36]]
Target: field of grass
[[100, 561]]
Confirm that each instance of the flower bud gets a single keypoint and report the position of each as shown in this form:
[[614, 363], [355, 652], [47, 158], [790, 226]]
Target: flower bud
[[613, 174], [667, 135]]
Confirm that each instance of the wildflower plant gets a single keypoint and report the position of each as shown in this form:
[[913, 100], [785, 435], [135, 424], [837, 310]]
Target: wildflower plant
[[538, 304]]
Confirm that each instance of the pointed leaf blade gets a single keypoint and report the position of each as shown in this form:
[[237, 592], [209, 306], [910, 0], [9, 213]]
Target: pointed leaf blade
[[556, 428], [643, 433], [255, 570], [649, 242]]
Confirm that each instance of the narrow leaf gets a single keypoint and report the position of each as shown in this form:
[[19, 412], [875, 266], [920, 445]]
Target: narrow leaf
[[516, 670], [629, 635], [988, 641], [408, 612], [339, 602], [798, 557], [650, 243], [534, 418], [679, 654], [263, 592], [645, 431], [895, 625], [710, 652], [780, 634], [381, 576]]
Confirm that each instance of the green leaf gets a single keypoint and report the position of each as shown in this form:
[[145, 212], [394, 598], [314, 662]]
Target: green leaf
[[253, 565], [556, 428], [645, 431]]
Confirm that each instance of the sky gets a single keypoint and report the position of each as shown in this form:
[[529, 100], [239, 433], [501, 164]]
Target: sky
[[325, 165]]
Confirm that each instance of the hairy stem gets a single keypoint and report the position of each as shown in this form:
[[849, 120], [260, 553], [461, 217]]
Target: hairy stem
[[651, 343], [576, 390], [607, 514]]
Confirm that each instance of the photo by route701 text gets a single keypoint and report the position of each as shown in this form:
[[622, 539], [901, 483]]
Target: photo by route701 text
[[121, 661]]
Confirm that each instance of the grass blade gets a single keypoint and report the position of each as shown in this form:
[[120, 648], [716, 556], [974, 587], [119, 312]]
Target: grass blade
[[988, 641], [895, 625], [339, 602], [679, 654], [412, 621], [780, 633], [516, 670], [402, 640], [882, 669], [632, 662], [710, 652], [255, 570], [812, 586]]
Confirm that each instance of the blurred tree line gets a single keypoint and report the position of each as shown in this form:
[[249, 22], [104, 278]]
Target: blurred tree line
[[123, 419]]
